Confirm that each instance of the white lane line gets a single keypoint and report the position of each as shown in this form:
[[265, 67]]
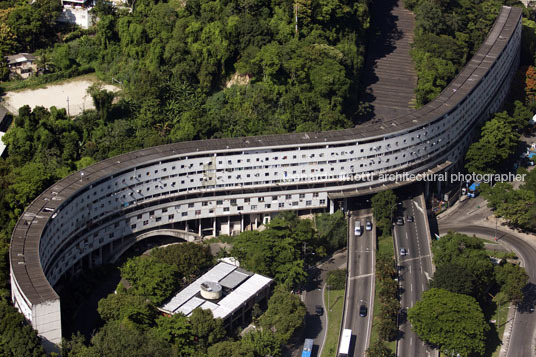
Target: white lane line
[[415, 258], [418, 207], [411, 286], [325, 329], [361, 276], [409, 269]]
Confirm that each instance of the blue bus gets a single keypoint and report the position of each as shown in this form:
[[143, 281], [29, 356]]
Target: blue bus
[[307, 348]]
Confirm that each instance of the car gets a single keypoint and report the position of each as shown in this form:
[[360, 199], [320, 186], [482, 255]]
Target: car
[[319, 310], [368, 225], [410, 219], [400, 221], [363, 311], [403, 251]]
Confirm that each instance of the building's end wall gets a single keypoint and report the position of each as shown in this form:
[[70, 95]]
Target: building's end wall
[[47, 320]]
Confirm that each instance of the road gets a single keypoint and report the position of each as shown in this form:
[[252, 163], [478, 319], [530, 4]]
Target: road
[[470, 218], [360, 283], [414, 270], [315, 325]]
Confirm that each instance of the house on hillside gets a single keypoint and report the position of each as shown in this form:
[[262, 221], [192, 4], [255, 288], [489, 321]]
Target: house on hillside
[[22, 64]]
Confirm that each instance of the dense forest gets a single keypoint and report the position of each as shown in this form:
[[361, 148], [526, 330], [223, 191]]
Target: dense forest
[[447, 34]]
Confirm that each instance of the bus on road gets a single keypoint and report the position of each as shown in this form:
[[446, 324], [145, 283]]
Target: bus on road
[[307, 348], [344, 346]]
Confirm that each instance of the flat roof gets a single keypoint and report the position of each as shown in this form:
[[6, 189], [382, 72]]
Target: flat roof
[[240, 287]]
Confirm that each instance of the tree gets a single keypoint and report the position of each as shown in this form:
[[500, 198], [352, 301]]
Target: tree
[[454, 278], [150, 278], [332, 230], [123, 339], [263, 343], [177, 331], [512, 279], [379, 349], [285, 314], [530, 86], [336, 279], [124, 306], [453, 322], [206, 328], [383, 207], [191, 259], [16, 337], [497, 143], [102, 99]]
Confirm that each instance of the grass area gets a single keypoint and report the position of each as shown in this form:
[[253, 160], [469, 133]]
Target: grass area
[[335, 307], [385, 246]]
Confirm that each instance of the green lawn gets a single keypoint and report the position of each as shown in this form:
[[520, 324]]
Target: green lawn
[[336, 303]]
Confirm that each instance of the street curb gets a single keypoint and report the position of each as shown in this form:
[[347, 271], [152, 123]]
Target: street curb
[[428, 233], [508, 330]]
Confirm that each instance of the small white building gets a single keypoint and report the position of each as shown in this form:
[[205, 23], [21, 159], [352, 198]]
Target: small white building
[[227, 290], [76, 14]]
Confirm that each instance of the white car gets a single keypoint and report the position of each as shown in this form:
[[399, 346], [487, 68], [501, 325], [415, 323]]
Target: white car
[[368, 225]]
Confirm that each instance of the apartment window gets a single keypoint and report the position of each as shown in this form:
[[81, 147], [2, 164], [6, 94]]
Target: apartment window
[[322, 201], [267, 205], [171, 216], [315, 194], [288, 197], [184, 214], [302, 195], [225, 209], [308, 203], [281, 204], [190, 205], [133, 226]]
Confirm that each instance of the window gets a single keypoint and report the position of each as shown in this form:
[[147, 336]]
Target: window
[[302, 195], [288, 197], [225, 209], [315, 194], [322, 201], [190, 205], [171, 216], [308, 203], [164, 210], [133, 226], [145, 223], [267, 205], [184, 214], [281, 204]]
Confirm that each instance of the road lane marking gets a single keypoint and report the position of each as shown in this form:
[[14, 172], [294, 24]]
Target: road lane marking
[[361, 276], [411, 286], [415, 258], [418, 207]]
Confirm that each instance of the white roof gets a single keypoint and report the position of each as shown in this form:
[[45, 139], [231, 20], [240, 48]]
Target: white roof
[[189, 298]]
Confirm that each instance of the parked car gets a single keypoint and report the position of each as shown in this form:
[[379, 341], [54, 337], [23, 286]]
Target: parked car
[[319, 310]]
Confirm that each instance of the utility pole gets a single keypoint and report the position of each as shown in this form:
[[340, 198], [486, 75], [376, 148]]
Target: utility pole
[[296, 16]]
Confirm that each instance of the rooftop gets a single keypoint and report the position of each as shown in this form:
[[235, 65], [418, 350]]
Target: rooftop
[[20, 58], [239, 286]]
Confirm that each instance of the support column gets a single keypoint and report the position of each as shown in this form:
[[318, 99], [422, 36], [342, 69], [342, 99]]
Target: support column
[[214, 233], [256, 223], [241, 223], [186, 226], [331, 205], [345, 204], [229, 224], [200, 230]]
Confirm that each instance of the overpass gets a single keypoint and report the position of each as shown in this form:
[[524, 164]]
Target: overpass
[[229, 185]]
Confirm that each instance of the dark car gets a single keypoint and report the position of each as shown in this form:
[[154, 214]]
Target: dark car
[[400, 221], [410, 219], [363, 311], [319, 310]]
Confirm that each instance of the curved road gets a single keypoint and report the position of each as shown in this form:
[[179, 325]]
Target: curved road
[[522, 337]]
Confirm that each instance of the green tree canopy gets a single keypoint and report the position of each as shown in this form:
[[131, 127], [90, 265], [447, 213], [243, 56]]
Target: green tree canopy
[[285, 314], [452, 322], [191, 259], [150, 278]]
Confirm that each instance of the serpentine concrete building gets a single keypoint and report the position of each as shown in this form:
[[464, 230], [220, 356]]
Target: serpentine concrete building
[[228, 185]]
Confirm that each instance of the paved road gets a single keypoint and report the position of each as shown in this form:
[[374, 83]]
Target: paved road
[[360, 290], [315, 325], [469, 219], [413, 271]]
